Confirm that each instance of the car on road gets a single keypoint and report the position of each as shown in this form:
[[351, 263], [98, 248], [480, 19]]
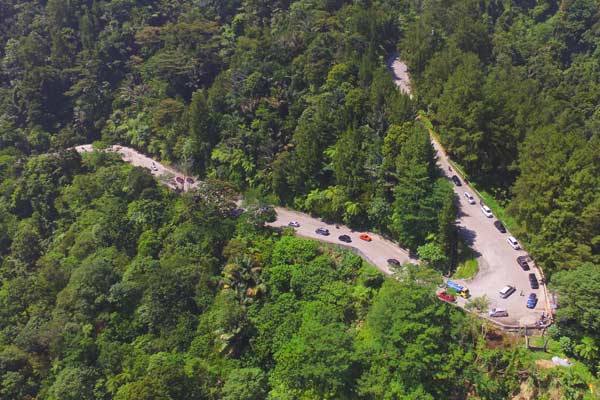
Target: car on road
[[513, 242], [486, 211], [189, 180], [446, 297], [522, 261], [365, 237], [470, 198], [532, 300], [499, 226], [456, 180], [322, 231], [294, 224], [345, 238], [533, 282], [153, 167], [393, 261], [179, 180], [507, 291], [498, 312]]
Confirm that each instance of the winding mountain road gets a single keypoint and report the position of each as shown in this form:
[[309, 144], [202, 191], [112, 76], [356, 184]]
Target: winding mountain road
[[497, 260]]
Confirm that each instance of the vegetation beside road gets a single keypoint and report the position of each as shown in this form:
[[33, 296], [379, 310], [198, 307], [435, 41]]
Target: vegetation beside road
[[513, 93], [467, 269], [114, 288]]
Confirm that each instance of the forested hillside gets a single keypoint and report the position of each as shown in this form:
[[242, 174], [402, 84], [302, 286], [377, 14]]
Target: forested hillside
[[113, 287], [514, 88], [116, 288], [514, 91], [290, 100]]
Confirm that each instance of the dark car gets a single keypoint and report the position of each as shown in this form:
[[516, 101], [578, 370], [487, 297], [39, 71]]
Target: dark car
[[179, 180], [345, 238], [393, 261], [499, 226], [456, 180], [522, 261], [189, 180], [533, 281], [532, 301], [322, 231]]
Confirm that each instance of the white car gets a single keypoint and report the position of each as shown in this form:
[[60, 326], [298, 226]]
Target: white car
[[153, 167], [470, 198], [486, 211], [498, 312], [513, 242], [294, 224]]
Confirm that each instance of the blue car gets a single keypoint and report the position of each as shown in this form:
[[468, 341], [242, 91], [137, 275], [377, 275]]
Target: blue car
[[532, 301]]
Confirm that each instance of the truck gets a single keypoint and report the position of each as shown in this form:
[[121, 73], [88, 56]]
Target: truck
[[460, 290]]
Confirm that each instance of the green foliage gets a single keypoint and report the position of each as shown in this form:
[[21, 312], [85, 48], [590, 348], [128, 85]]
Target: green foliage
[[467, 269], [521, 118], [114, 288], [434, 256]]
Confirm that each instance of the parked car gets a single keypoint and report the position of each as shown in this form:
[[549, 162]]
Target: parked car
[[365, 237], [446, 297], [393, 261], [522, 261], [470, 198], [345, 238], [189, 180], [456, 180], [532, 301], [533, 282], [507, 291], [486, 211], [294, 224], [322, 231], [153, 167], [498, 312], [179, 180], [499, 226], [513, 242]]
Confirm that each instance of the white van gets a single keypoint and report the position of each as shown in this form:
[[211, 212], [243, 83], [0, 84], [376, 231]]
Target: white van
[[470, 198], [507, 291], [513, 242]]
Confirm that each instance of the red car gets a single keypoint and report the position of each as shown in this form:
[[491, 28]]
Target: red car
[[446, 297], [365, 237]]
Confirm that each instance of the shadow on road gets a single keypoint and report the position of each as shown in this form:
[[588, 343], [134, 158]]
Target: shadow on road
[[469, 235], [460, 213]]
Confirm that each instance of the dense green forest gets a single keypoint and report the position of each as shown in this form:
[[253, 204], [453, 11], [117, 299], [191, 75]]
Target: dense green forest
[[115, 287], [112, 287], [514, 91]]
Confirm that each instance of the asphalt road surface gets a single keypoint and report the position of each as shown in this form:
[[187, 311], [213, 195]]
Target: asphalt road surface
[[376, 252], [165, 174], [400, 74], [497, 259]]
